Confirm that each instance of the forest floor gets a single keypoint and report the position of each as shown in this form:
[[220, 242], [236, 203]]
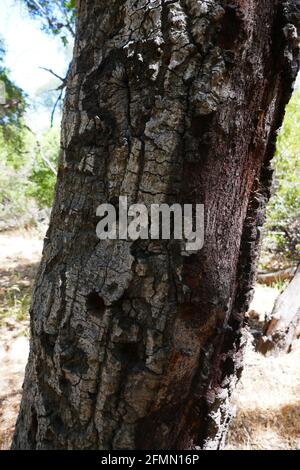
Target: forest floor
[[19, 257], [267, 399]]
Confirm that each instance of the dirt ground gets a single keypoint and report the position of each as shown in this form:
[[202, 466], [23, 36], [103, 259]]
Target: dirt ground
[[267, 399], [267, 404], [19, 257]]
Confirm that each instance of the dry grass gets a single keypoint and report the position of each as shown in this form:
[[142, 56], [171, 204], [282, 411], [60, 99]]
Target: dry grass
[[19, 256], [267, 398], [13, 357], [267, 403]]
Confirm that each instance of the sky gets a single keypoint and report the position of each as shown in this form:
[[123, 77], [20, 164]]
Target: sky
[[27, 49]]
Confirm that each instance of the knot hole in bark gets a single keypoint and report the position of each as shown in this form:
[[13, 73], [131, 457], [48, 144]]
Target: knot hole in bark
[[231, 27], [128, 354], [33, 428], [95, 304], [201, 126]]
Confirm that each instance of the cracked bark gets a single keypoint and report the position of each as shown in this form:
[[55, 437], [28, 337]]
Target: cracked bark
[[132, 344]]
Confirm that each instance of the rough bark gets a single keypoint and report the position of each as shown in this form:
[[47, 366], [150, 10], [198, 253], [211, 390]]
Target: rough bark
[[134, 345], [284, 325]]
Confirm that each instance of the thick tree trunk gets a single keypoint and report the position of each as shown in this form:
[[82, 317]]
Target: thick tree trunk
[[284, 325], [132, 344]]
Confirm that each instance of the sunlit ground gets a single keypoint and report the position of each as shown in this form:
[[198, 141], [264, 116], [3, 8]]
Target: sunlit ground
[[268, 403]]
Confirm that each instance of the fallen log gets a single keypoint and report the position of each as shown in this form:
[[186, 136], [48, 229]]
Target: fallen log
[[283, 327], [282, 275]]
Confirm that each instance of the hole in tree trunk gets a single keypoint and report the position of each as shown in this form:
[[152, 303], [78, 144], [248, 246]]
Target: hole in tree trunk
[[231, 27], [34, 427], [95, 304], [128, 353]]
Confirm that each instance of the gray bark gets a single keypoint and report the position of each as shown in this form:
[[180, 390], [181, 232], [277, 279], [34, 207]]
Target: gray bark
[[132, 344]]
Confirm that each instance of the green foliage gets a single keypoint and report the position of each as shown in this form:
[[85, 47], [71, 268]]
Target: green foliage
[[26, 177], [27, 166], [42, 176], [14, 204], [12, 111], [57, 16], [15, 304], [283, 213], [13, 155], [27, 180], [15, 297], [280, 285]]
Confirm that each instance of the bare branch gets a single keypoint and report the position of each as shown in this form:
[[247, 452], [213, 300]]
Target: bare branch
[[42, 155], [53, 73], [55, 106]]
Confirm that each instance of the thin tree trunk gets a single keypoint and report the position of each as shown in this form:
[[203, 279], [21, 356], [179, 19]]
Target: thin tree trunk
[[284, 325], [132, 344]]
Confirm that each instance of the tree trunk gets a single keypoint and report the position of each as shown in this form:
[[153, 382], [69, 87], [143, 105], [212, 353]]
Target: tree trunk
[[284, 325], [134, 345]]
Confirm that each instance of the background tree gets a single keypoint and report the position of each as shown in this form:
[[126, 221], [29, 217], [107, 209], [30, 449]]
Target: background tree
[[12, 145], [56, 17], [43, 173], [27, 163], [27, 178], [281, 245], [135, 344], [11, 110]]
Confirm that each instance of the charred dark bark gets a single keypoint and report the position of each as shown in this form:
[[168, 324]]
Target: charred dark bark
[[132, 344]]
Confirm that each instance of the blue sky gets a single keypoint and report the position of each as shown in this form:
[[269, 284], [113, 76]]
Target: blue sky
[[27, 49]]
